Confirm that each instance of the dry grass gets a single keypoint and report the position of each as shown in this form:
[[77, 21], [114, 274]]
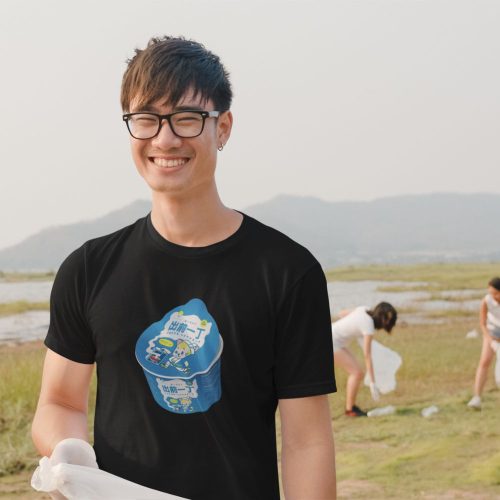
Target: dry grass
[[454, 454], [439, 276], [21, 306]]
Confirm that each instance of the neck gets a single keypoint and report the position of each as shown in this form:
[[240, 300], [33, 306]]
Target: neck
[[199, 219]]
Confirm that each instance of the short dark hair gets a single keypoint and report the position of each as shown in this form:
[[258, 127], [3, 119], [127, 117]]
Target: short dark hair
[[495, 283], [384, 316], [170, 66]]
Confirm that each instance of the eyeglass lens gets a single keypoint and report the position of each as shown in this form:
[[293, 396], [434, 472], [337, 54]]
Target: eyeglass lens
[[184, 124]]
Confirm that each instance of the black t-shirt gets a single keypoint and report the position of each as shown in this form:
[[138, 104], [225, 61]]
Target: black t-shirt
[[193, 348]]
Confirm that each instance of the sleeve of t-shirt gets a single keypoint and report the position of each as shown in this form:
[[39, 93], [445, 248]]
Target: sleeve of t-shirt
[[304, 350], [69, 334]]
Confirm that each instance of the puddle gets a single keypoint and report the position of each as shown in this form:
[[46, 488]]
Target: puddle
[[350, 294], [31, 291], [343, 295], [31, 325]]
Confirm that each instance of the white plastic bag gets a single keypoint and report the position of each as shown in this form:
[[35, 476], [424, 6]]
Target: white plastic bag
[[386, 363], [79, 482]]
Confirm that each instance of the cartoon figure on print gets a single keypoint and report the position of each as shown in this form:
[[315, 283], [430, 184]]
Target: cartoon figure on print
[[361, 324], [181, 351], [489, 319], [164, 357]]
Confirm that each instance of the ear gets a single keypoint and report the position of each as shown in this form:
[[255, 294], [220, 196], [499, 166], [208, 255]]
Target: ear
[[224, 126]]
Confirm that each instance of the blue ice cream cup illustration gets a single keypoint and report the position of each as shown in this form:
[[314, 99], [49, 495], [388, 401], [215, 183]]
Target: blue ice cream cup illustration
[[181, 356]]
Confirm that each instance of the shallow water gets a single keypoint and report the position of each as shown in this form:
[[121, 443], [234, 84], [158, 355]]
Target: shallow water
[[350, 294], [343, 295], [31, 291], [31, 325]]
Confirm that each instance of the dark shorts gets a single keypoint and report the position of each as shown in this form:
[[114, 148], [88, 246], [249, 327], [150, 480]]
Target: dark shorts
[[495, 332]]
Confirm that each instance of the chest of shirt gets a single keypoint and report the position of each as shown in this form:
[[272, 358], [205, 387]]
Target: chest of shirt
[[125, 301]]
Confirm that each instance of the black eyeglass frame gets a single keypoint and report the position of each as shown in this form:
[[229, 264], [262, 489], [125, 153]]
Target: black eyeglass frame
[[204, 114]]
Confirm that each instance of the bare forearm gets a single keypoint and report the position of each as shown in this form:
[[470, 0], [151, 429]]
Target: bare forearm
[[369, 368], [53, 423], [309, 472]]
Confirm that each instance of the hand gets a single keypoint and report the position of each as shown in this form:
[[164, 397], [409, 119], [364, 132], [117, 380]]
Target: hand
[[72, 451], [374, 391], [494, 344]]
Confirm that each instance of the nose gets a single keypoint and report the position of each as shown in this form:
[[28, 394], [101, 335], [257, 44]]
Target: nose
[[166, 138]]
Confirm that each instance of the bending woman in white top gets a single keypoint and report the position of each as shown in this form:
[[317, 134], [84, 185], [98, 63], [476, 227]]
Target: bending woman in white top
[[356, 324], [489, 319]]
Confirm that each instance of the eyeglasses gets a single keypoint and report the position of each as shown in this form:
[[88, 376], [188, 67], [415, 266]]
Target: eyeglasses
[[185, 124]]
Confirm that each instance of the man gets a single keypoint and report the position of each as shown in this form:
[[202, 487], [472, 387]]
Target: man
[[200, 319]]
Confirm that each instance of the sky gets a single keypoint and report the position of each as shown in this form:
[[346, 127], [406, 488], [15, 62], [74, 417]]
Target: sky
[[341, 100]]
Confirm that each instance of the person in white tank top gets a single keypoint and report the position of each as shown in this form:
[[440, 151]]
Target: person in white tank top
[[359, 323], [489, 318]]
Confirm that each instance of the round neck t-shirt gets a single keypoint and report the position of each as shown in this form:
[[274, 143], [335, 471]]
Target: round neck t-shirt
[[195, 252], [194, 347]]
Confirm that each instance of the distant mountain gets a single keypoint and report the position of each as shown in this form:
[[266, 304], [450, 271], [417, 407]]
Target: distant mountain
[[48, 248], [419, 228], [402, 229]]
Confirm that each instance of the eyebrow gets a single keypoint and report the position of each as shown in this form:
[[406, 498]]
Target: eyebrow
[[152, 109], [188, 107]]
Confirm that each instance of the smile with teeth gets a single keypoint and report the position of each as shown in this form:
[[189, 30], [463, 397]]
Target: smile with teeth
[[164, 163]]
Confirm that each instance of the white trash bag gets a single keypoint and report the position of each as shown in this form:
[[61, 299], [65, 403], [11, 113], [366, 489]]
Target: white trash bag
[[386, 363], [86, 482]]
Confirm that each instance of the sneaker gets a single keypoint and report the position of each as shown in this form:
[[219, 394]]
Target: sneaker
[[475, 403], [355, 412]]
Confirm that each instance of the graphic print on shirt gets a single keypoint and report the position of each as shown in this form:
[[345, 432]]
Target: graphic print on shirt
[[181, 356]]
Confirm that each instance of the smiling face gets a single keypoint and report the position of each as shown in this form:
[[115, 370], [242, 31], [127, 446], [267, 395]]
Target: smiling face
[[175, 165], [182, 350]]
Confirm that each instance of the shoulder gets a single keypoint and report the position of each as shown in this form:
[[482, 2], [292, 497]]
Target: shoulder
[[368, 325], [97, 249], [276, 245], [362, 312], [285, 268], [102, 243]]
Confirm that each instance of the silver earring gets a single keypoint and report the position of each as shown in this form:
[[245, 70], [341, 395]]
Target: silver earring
[[221, 147]]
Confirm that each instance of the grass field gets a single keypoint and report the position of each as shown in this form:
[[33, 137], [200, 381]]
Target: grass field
[[453, 454], [439, 276], [20, 371], [408, 456]]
